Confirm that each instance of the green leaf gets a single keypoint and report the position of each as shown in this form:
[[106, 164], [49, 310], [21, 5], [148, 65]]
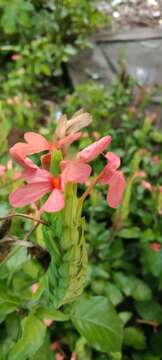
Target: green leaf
[[14, 13], [135, 338], [114, 294], [149, 310], [132, 233], [96, 319], [125, 283], [44, 351], [33, 333], [153, 261], [157, 136], [125, 316], [8, 301], [148, 356], [141, 291], [12, 325], [17, 257], [5, 347], [156, 343], [51, 314], [147, 236], [83, 351]]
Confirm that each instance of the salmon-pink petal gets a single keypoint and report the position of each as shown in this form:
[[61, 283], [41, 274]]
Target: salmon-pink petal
[[40, 175], [110, 168], [19, 152], [116, 189], [55, 201], [69, 139], [113, 159], [29, 193], [64, 163], [36, 143], [92, 151], [2, 170], [75, 172], [28, 164], [106, 174]]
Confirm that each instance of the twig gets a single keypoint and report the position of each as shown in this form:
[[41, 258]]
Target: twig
[[89, 189], [25, 216]]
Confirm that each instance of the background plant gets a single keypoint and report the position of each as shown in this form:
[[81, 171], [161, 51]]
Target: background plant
[[124, 247]]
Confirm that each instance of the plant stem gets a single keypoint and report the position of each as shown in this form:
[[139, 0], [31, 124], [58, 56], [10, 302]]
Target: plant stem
[[25, 216], [90, 188]]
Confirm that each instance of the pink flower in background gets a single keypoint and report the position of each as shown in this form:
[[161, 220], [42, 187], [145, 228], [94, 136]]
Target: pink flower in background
[[2, 170], [60, 357], [16, 57], [55, 345], [155, 246], [47, 322], [155, 159], [114, 178], [146, 185], [34, 288], [73, 356]]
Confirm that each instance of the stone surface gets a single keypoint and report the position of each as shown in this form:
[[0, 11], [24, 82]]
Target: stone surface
[[143, 58], [141, 48], [127, 34], [90, 64]]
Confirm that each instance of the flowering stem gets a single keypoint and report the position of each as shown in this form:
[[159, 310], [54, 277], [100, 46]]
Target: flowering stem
[[87, 192], [25, 216]]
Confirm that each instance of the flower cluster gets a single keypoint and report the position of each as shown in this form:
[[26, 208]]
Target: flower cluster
[[40, 181]]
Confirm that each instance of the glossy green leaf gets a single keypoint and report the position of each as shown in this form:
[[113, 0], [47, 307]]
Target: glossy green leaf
[[156, 343], [33, 333], [135, 338], [131, 233], [141, 291], [44, 351], [51, 314], [96, 319], [149, 310], [114, 294]]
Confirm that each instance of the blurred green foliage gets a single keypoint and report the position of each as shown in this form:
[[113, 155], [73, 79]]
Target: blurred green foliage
[[37, 39], [124, 246]]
